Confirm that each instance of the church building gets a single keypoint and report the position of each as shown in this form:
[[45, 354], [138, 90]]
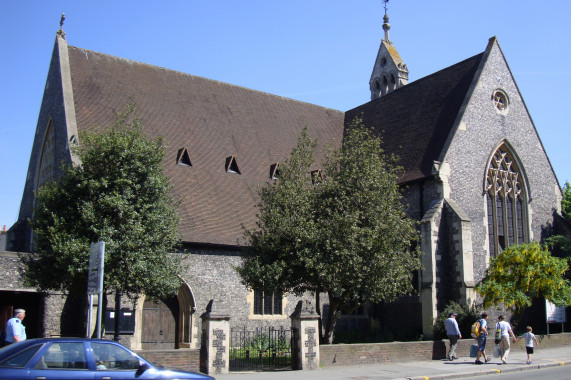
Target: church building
[[476, 177]]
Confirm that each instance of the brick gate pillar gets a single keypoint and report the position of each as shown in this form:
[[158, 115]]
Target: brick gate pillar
[[215, 343], [305, 346]]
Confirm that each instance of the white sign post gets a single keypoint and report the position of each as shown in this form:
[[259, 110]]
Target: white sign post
[[555, 314], [95, 281]]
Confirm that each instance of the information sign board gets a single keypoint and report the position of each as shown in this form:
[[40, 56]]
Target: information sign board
[[555, 314], [95, 275]]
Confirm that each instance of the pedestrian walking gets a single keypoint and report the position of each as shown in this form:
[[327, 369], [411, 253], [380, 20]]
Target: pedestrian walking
[[506, 331], [453, 333], [482, 339], [15, 330], [529, 337]]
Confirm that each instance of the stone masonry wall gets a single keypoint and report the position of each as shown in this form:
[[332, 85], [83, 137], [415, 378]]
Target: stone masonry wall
[[187, 359], [211, 275], [481, 129]]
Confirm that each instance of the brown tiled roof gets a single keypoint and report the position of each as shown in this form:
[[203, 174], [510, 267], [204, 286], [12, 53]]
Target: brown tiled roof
[[213, 120], [415, 120]]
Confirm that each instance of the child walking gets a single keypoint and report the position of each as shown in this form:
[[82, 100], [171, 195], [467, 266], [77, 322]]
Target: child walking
[[529, 338]]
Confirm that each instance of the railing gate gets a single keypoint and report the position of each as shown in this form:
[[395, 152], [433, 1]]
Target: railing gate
[[260, 349]]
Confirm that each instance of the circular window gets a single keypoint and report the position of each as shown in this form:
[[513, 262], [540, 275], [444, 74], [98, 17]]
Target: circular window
[[500, 101]]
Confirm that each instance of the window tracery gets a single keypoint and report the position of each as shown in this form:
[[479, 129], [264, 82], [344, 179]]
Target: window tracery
[[500, 101], [506, 199]]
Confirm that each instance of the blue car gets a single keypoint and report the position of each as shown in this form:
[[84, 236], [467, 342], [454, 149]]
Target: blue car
[[76, 358]]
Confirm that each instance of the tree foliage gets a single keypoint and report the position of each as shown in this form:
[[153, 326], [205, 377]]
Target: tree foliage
[[560, 245], [524, 272], [566, 202], [467, 315], [119, 195], [343, 232]]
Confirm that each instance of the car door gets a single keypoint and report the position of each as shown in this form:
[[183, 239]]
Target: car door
[[115, 362], [16, 365], [62, 360]]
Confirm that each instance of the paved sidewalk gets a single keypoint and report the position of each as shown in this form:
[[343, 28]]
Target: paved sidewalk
[[433, 369]]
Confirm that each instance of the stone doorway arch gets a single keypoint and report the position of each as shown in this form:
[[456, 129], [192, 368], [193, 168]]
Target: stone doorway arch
[[187, 307]]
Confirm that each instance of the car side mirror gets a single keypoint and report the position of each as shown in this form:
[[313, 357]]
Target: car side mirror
[[142, 368]]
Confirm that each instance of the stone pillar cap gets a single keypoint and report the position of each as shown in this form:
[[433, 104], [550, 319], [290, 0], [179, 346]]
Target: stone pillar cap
[[216, 309], [304, 310]]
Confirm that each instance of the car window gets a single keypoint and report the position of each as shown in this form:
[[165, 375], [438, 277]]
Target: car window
[[63, 355], [21, 358], [112, 357]]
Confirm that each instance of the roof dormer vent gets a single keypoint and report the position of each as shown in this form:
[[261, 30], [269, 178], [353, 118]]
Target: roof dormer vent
[[232, 165], [275, 171], [183, 158]]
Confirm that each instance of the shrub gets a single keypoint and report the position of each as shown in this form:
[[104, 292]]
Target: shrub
[[467, 315]]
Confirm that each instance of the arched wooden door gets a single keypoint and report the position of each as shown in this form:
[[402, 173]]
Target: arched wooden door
[[160, 325]]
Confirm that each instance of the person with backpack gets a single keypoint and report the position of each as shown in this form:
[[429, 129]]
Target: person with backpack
[[481, 338], [505, 332]]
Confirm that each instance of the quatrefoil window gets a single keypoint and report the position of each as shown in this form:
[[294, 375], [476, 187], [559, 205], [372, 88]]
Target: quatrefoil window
[[500, 101]]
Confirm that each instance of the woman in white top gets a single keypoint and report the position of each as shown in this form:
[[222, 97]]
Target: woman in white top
[[506, 330]]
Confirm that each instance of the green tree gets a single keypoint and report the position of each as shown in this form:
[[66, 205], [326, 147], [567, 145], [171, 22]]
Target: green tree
[[343, 232], [566, 202], [119, 195], [524, 272], [560, 245]]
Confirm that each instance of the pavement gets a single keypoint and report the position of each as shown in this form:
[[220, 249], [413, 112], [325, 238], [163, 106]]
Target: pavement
[[417, 370]]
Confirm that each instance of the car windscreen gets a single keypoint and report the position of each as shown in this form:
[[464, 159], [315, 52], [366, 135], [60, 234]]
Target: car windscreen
[[20, 358]]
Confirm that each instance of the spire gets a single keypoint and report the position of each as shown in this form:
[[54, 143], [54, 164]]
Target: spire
[[60, 32], [386, 25], [389, 71]]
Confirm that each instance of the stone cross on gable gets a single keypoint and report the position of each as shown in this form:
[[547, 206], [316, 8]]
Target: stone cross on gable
[[60, 32]]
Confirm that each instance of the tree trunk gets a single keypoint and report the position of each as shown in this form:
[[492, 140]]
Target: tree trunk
[[320, 320], [331, 319]]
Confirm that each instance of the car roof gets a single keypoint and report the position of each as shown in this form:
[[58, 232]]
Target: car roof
[[8, 350], [69, 339]]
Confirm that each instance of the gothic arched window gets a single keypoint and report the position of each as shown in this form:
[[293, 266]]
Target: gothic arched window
[[385, 85], [506, 199]]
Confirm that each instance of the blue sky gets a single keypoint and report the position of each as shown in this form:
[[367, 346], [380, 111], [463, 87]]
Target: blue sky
[[318, 51]]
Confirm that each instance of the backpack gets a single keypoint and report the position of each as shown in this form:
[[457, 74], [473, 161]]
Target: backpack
[[475, 330], [498, 334]]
